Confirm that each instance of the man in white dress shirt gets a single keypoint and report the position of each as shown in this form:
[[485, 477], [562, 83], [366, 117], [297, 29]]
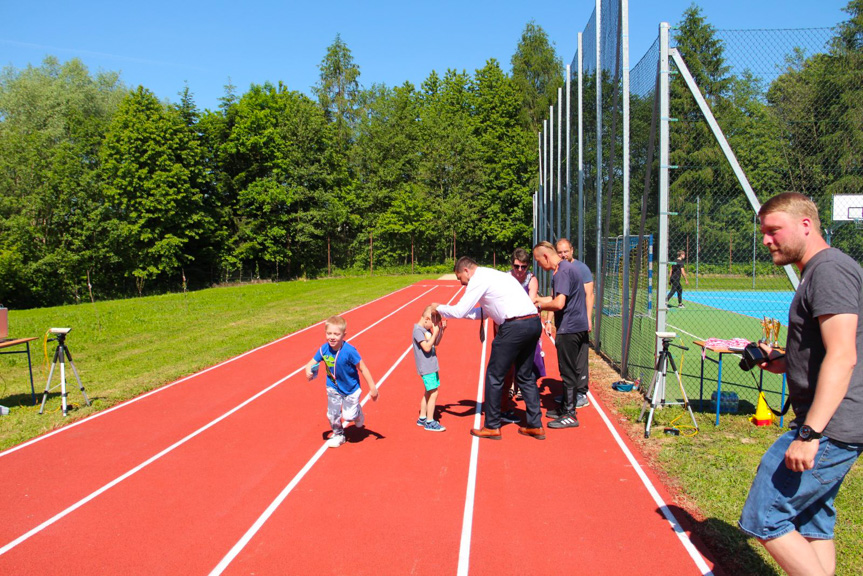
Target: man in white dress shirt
[[499, 296]]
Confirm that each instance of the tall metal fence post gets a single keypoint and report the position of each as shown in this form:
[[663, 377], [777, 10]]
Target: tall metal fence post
[[598, 279], [559, 159], [662, 280], [624, 310], [551, 173], [568, 154], [580, 148], [697, 238]]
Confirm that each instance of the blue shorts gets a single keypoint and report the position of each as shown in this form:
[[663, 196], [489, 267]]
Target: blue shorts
[[431, 381], [781, 500]]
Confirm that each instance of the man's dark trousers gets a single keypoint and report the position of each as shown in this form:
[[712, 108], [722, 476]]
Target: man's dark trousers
[[515, 343], [572, 360]]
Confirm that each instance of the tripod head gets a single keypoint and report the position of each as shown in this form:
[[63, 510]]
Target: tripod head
[[60, 334], [667, 337]]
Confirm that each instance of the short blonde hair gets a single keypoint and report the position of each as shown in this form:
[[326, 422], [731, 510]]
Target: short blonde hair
[[547, 245], [795, 204], [337, 321]]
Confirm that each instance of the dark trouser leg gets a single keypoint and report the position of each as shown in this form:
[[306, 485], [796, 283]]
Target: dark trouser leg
[[515, 343], [676, 288], [567, 361], [582, 366]]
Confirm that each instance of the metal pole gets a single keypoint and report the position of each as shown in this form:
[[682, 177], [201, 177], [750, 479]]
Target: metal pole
[[754, 240], [551, 173], [598, 279], [697, 237], [568, 154], [662, 309], [580, 148], [559, 158], [624, 38], [543, 232]]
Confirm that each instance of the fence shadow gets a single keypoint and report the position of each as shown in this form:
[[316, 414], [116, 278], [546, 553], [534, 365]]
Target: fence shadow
[[723, 545]]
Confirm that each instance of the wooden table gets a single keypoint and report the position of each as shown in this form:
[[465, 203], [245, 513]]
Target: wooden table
[[18, 342]]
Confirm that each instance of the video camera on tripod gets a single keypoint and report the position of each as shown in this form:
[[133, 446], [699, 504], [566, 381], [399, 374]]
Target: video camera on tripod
[[655, 396], [60, 357]]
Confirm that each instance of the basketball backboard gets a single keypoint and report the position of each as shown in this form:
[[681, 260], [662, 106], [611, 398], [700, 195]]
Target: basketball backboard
[[847, 207]]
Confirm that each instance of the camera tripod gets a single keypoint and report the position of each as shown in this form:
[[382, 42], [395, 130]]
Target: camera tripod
[[655, 396], [60, 356]]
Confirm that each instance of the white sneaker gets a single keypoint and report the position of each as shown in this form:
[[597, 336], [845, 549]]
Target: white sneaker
[[336, 441]]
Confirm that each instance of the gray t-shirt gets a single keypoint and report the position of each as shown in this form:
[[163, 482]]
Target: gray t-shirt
[[426, 361], [573, 318], [832, 283], [583, 271]]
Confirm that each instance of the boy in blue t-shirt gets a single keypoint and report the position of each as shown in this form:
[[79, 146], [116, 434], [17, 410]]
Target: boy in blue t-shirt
[[342, 363], [427, 334]]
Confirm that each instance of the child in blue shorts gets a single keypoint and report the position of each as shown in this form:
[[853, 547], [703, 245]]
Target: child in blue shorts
[[427, 334], [343, 364]]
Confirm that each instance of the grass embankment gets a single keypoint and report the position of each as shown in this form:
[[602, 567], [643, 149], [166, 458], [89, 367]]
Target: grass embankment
[[710, 474], [125, 347]]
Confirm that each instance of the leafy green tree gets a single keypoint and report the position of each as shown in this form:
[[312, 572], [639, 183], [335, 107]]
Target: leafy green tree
[[537, 73], [151, 166], [450, 167], [506, 154], [338, 88], [284, 169], [52, 121], [702, 168]]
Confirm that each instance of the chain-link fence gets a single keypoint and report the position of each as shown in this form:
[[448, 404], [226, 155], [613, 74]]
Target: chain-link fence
[[784, 111]]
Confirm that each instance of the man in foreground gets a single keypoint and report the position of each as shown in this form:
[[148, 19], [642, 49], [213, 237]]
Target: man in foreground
[[790, 504], [499, 296]]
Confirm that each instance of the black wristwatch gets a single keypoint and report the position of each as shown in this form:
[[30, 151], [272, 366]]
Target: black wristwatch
[[806, 433]]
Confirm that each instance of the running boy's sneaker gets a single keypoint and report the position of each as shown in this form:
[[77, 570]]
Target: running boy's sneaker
[[681, 305], [336, 441], [434, 426], [421, 422]]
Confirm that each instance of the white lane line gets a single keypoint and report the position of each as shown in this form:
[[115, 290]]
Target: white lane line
[[181, 380], [274, 505], [169, 449], [651, 489], [657, 499], [467, 518]]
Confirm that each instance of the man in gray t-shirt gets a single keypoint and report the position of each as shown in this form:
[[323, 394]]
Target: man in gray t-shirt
[[790, 504], [570, 318]]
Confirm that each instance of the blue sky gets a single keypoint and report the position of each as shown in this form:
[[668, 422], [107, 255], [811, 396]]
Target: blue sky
[[161, 45]]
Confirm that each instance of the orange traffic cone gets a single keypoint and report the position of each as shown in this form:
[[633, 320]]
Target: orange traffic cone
[[763, 413]]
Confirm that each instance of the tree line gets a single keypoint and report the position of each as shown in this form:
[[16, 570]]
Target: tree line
[[106, 191]]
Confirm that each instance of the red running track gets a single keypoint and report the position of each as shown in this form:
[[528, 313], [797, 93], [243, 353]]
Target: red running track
[[226, 472]]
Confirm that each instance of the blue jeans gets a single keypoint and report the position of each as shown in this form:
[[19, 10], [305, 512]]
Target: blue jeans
[[781, 500]]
